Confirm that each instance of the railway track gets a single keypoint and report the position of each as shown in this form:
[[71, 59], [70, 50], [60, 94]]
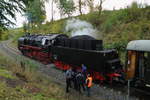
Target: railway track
[[6, 47], [14, 53], [98, 92]]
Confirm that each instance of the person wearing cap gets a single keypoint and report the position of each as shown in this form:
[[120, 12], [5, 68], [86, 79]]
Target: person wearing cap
[[88, 84], [84, 68], [84, 71]]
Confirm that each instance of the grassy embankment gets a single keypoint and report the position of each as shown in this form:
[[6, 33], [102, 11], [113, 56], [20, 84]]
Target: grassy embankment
[[23, 82]]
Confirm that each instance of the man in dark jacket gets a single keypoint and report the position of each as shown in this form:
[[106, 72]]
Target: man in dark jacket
[[73, 79], [80, 81], [84, 71], [68, 79]]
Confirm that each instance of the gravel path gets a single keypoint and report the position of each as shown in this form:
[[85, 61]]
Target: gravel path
[[98, 93]]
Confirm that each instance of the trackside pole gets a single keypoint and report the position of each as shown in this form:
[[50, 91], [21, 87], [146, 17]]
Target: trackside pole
[[128, 95]]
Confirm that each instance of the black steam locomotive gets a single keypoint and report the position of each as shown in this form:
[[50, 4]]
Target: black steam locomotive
[[67, 52]]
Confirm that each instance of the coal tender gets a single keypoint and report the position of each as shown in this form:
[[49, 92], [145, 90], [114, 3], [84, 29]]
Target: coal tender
[[74, 51]]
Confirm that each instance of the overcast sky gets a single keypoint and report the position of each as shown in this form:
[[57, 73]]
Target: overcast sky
[[108, 4]]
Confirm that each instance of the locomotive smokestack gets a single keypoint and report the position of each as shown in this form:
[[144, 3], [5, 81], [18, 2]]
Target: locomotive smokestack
[[78, 27]]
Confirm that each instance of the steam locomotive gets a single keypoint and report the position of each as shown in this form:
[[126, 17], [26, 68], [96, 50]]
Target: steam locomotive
[[66, 52]]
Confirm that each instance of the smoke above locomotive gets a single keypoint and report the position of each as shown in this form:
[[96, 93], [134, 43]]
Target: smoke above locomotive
[[78, 27]]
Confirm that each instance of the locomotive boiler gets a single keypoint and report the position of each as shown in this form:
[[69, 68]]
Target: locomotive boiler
[[38, 46]]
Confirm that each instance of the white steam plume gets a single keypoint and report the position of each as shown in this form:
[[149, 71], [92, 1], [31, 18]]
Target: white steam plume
[[79, 27]]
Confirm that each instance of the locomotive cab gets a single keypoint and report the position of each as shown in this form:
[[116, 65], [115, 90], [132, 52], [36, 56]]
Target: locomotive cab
[[138, 63]]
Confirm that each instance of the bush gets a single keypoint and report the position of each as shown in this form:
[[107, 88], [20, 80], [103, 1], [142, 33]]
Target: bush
[[5, 36], [116, 18]]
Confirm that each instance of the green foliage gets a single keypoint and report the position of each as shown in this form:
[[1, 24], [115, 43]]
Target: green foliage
[[120, 45], [115, 18], [27, 2], [28, 62], [66, 6], [50, 27], [35, 12], [90, 4], [6, 74], [25, 27], [41, 97], [7, 10], [4, 35], [146, 12], [123, 16], [15, 34], [92, 17]]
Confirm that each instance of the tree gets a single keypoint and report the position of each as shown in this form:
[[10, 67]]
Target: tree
[[27, 2], [7, 11], [35, 12], [80, 4], [90, 4], [25, 27], [66, 6], [52, 10], [100, 6]]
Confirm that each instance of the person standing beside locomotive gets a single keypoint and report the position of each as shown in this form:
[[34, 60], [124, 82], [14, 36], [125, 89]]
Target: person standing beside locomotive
[[84, 69], [89, 84], [73, 79], [68, 79], [80, 81]]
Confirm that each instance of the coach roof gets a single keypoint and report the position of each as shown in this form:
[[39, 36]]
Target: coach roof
[[139, 45]]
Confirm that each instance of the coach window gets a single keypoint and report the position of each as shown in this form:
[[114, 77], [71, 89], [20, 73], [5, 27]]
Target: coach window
[[146, 57], [143, 64], [147, 66]]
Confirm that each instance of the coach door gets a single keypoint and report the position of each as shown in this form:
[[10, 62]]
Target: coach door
[[131, 64]]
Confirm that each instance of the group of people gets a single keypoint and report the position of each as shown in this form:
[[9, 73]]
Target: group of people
[[78, 79]]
